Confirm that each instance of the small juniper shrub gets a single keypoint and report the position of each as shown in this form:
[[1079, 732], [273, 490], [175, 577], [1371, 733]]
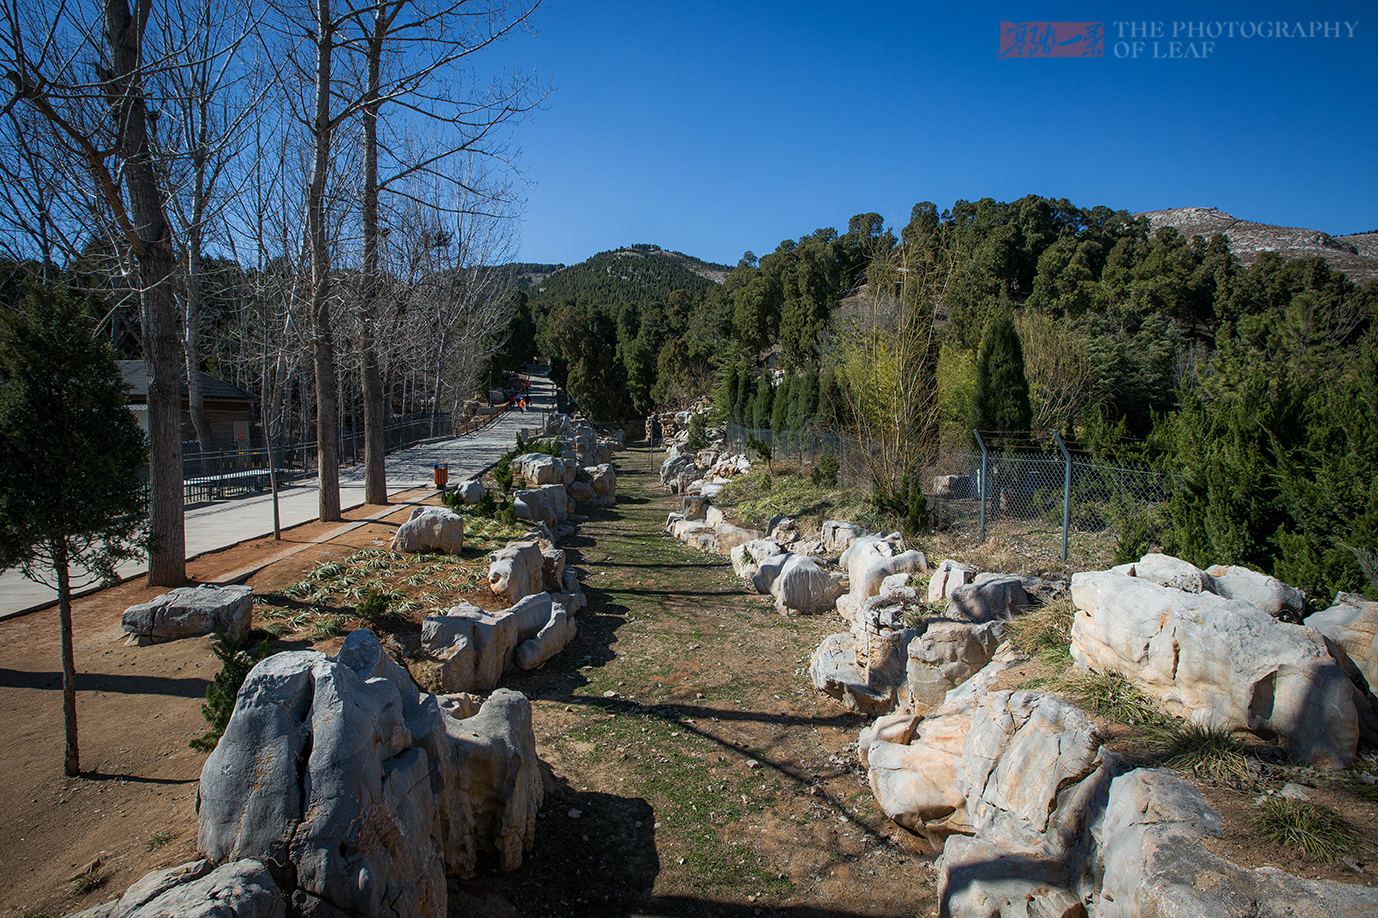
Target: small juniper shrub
[[236, 660], [825, 472]]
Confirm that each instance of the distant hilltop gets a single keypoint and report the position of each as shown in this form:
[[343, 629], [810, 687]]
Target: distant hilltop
[[1356, 254]]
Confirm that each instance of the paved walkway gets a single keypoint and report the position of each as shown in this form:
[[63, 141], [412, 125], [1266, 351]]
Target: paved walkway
[[218, 525]]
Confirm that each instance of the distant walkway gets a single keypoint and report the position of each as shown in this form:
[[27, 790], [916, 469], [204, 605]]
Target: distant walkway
[[218, 525]]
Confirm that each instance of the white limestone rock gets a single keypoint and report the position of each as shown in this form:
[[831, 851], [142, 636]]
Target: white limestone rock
[[1168, 571], [1218, 662], [516, 570], [1270, 594], [838, 535], [747, 558], [944, 656], [431, 529], [470, 491], [988, 600], [1350, 627], [797, 583], [464, 650], [947, 579]]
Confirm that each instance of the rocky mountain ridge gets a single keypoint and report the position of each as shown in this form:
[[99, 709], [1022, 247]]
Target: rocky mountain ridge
[[1355, 254]]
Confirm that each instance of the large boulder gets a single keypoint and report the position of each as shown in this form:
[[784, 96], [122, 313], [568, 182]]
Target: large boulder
[[1350, 628], [947, 579], [316, 774], [603, 477], [470, 491], [431, 529], [1168, 571], [838, 535], [861, 672], [797, 583], [727, 536], [942, 657], [1218, 662], [191, 611], [544, 627], [913, 765], [747, 558], [516, 571], [580, 492], [988, 600], [537, 469], [360, 798], [557, 499], [532, 504], [1268, 593], [1155, 864]]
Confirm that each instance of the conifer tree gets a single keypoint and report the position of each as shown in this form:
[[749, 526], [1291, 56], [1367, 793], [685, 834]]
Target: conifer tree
[[70, 457], [1001, 400]]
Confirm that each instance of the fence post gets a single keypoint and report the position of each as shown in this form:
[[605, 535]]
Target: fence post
[[985, 474], [1066, 491]]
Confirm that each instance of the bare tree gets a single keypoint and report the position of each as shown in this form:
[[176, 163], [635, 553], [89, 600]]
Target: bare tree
[[104, 121], [427, 41], [208, 104]]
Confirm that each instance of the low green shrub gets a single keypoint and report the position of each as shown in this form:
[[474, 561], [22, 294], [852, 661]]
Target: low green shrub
[[236, 660]]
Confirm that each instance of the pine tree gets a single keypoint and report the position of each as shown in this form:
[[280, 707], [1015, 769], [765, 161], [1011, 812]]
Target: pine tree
[[70, 457]]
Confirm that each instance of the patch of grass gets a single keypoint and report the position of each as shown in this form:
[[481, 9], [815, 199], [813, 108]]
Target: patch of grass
[[157, 840], [1045, 632], [1205, 751], [88, 882], [757, 498], [328, 626], [1317, 831], [1361, 788], [1107, 695]]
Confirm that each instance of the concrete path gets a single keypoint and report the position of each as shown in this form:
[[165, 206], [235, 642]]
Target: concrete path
[[218, 525]]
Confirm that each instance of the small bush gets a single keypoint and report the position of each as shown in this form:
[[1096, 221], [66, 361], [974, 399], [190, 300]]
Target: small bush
[[824, 474], [1317, 831], [762, 450], [506, 514], [157, 840], [698, 433], [374, 605], [1205, 751], [907, 504], [502, 471], [88, 882], [236, 660]]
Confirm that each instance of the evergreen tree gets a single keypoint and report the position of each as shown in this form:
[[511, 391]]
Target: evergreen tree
[[762, 404], [1001, 400], [70, 457]]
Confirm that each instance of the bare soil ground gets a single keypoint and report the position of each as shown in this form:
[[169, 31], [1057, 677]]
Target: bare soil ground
[[690, 767]]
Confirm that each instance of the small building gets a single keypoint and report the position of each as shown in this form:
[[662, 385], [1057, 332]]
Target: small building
[[229, 408]]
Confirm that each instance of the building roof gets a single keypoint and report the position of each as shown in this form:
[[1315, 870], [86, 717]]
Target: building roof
[[135, 373]]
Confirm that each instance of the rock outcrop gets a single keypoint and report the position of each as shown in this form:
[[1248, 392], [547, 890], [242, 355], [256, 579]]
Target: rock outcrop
[[516, 571], [1215, 661], [360, 794]]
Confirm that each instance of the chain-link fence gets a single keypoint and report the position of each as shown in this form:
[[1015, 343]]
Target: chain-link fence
[[1074, 504]]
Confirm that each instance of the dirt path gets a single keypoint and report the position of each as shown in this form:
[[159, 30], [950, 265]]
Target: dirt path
[[692, 770], [695, 769]]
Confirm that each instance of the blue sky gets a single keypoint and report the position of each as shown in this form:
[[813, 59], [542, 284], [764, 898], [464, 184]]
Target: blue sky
[[714, 128]]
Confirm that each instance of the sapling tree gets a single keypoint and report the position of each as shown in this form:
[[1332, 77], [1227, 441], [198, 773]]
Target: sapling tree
[[70, 454]]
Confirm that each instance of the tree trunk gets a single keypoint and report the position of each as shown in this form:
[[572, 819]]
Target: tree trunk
[[375, 470], [154, 251], [322, 338], [71, 761]]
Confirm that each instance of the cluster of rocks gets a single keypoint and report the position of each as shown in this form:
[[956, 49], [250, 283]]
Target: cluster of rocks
[[467, 649], [1035, 817], [895, 653], [702, 473], [339, 789], [1032, 814]]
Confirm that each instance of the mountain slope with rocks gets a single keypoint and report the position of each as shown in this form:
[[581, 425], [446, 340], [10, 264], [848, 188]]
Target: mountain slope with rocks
[[1356, 254]]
